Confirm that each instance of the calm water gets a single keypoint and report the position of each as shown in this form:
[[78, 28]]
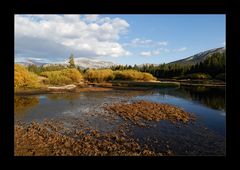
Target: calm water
[[206, 136]]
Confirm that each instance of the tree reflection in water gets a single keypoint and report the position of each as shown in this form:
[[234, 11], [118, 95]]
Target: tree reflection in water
[[213, 97], [23, 103]]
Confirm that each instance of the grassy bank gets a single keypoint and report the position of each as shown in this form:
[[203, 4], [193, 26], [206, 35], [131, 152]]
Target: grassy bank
[[197, 82], [154, 84], [54, 81]]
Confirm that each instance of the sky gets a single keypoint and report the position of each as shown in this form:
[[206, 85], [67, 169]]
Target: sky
[[122, 39]]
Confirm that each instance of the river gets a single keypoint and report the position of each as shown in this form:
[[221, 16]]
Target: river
[[205, 136]]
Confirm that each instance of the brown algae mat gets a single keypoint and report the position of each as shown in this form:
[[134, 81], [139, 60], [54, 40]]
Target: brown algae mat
[[51, 139], [140, 111]]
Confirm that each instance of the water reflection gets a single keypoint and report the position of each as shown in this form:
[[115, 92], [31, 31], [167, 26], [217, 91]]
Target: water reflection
[[213, 97], [65, 96], [51, 104], [85, 107], [24, 103]]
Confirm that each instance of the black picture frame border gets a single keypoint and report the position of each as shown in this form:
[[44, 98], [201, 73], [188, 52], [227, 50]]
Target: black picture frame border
[[120, 7]]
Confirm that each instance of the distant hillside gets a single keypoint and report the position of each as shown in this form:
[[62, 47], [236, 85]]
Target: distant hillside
[[91, 63], [197, 58], [86, 63], [30, 62], [81, 62]]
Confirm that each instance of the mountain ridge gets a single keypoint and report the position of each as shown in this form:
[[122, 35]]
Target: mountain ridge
[[84, 63], [199, 57]]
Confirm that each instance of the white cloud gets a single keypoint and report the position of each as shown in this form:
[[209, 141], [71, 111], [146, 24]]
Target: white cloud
[[150, 53], [91, 17], [224, 43], [164, 43], [157, 52], [146, 53], [36, 59], [58, 35], [181, 49], [166, 50], [137, 42]]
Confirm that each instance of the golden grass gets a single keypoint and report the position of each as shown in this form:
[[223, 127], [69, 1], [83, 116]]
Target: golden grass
[[62, 77], [25, 79]]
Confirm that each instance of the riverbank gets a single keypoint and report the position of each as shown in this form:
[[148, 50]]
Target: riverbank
[[58, 90], [106, 86], [119, 85], [196, 82]]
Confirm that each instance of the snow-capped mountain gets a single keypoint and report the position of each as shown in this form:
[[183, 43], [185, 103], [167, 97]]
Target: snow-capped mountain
[[90, 63], [86, 63], [32, 62]]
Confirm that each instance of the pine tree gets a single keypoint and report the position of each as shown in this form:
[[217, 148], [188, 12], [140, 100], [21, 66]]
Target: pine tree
[[71, 61]]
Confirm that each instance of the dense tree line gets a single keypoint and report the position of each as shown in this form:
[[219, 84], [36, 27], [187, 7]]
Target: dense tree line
[[212, 67]]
